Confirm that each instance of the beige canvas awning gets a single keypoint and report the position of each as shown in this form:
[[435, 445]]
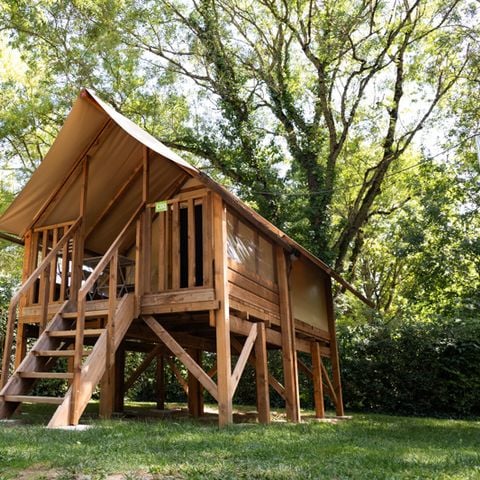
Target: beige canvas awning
[[116, 153]]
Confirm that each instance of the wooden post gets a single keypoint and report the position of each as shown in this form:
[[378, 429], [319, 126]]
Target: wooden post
[[222, 314], [119, 378], [337, 383], [147, 225], [195, 390], [289, 352], [160, 382], [79, 239], [317, 380], [139, 276], [77, 273], [107, 392], [261, 370]]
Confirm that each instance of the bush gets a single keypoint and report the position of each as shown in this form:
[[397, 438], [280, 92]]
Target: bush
[[413, 369]]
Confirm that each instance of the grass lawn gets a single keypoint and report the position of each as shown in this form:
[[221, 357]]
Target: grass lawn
[[366, 447]]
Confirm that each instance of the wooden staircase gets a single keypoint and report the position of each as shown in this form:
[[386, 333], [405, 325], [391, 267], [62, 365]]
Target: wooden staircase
[[58, 341]]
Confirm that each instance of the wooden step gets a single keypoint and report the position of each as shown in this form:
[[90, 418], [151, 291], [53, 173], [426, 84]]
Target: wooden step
[[33, 399], [56, 353], [88, 314], [88, 332], [46, 375]]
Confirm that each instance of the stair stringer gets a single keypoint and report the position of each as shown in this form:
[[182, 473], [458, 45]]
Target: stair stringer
[[17, 385], [94, 366]]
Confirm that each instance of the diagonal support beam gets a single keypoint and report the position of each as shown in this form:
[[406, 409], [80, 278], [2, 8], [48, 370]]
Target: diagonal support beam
[[142, 367], [274, 383], [183, 383], [329, 385], [243, 358], [191, 365]]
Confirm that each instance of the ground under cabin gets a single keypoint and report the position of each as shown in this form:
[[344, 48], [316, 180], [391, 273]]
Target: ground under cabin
[[130, 248]]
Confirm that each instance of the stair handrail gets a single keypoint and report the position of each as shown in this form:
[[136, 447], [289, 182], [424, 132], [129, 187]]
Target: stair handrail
[[12, 309], [93, 277], [82, 298]]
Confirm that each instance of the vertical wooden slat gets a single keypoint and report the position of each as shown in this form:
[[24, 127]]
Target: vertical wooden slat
[[64, 276], [337, 383], [289, 353], [161, 251], [41, 287], [207, 240], [261, 371], [21, 339], [44, 299], [147, 251], [317, 380], [222, 314], [168, 248], [176, 245], [53, 267], [34, 264], [256, 241], [191, 243]]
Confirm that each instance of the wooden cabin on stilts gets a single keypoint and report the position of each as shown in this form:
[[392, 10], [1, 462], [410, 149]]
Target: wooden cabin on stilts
[[130, 248]]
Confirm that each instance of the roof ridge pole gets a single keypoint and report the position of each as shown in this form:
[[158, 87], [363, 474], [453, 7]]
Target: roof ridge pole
[[222, 314], [289, 352]]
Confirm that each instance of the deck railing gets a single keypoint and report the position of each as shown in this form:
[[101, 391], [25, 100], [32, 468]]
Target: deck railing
[[184, 238], [55, 288], [44, 271]]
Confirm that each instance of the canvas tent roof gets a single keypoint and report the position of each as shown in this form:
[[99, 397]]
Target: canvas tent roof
[[114, 145]]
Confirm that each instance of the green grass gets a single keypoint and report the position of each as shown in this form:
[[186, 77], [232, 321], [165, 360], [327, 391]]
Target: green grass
[[366, 447]]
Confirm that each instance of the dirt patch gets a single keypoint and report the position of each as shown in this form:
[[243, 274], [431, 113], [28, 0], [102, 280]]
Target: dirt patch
[[42, 473]]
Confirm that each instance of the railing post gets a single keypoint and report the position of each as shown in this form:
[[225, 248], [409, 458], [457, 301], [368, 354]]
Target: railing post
[[7, 351], [77, 359]]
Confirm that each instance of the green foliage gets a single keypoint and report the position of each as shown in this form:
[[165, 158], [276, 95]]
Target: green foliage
[[414, 368]]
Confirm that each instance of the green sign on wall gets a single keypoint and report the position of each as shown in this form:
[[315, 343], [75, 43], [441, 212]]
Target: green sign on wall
[[161, 206]]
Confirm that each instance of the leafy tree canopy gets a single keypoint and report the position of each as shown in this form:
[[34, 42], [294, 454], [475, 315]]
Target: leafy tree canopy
[[323, 115]]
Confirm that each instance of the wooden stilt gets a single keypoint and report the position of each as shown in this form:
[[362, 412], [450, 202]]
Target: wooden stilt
[[160, 382], [337, 383], [119, 378], [289, 352], [317, 380], [195, 391], [222, 314], [261, 370]]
